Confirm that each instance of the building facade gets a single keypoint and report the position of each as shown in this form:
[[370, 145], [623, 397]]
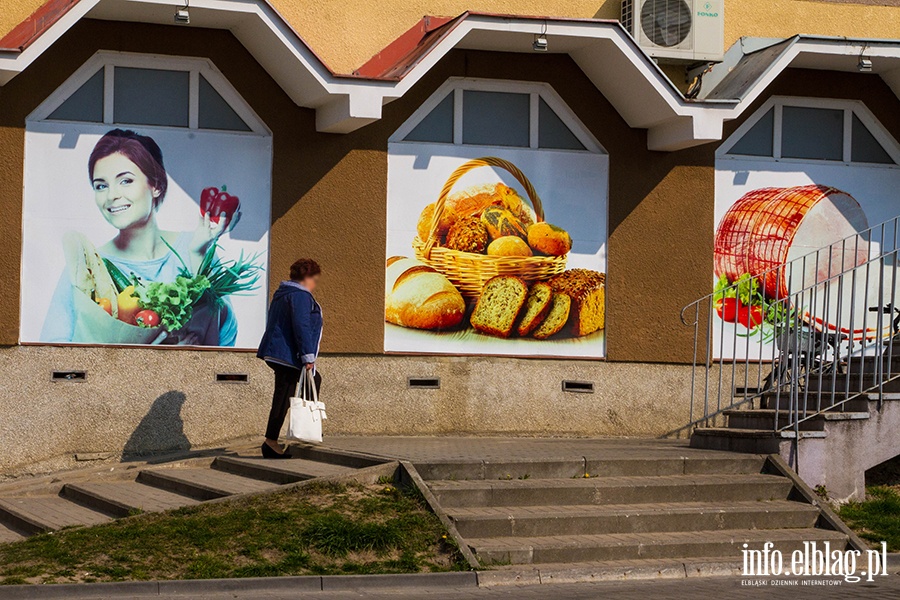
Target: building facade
[[356, 135]]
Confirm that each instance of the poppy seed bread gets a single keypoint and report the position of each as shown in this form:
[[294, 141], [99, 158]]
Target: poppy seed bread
[[587, 289], [556, 319], [499, 304], [537, 305]]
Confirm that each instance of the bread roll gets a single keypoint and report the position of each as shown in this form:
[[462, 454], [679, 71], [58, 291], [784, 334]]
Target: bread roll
[[509, 245], [501, 222], [468, 234], [471, 202], [549, 239], [419, 297]]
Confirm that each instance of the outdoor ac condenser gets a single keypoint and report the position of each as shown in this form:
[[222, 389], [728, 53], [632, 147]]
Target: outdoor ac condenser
[[677, 30]]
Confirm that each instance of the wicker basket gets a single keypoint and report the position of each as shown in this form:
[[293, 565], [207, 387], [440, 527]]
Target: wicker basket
[[469, 271]]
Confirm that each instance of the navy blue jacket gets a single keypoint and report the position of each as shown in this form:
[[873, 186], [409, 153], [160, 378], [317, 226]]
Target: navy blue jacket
[[293, 327]]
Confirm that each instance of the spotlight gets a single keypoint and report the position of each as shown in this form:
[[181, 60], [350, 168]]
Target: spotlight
[[540, 43], [183, 15], [865, 64]]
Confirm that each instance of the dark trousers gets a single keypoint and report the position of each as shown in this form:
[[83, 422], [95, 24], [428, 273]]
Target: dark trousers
[[286, 379]]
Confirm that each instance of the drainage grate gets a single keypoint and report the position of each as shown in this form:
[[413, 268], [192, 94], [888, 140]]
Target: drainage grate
[[73, 376], [424, 383], [580, 387], [232, 378]]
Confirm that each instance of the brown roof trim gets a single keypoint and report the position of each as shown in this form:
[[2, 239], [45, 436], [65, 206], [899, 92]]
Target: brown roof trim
[[403, 53], [23, 34]]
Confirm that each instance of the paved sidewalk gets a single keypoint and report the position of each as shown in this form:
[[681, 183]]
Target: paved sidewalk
[[885, 588]]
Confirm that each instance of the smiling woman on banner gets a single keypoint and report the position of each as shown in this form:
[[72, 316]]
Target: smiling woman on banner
[[129, 182]]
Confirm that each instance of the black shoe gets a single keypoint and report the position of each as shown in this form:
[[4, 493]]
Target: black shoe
[[269, 452]]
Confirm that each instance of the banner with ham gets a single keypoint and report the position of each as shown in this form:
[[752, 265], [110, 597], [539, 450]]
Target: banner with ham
[[770, 215], [144, 236]]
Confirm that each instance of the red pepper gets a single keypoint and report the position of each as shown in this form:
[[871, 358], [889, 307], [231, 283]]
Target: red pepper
[[216, 202]]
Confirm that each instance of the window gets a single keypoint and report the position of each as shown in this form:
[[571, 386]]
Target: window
[[494, 113], [814, 130], [133, 90]]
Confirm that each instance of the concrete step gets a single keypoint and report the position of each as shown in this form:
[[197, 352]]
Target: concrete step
[[815, 401], [610, 490], [10, 534], [579, 548], [756, 441], [278, 471], [124, 498], [38, 514], [202, 484], [611, 570], [531, 521], [765, 418], [664, 464]]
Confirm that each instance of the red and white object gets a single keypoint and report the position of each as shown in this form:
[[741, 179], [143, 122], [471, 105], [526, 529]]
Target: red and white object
[[769, 227]]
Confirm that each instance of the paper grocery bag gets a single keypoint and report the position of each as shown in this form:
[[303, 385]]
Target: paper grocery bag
[[93, 325]]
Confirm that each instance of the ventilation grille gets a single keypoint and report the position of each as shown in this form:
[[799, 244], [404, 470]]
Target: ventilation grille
[[666, 23], [628, 16]]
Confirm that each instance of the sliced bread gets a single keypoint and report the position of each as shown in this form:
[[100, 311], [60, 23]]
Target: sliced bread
[[499, 304], [556, 318], [537, 305]]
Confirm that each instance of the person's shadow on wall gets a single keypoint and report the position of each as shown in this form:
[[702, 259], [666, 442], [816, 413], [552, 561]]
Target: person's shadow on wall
[[161, 430]]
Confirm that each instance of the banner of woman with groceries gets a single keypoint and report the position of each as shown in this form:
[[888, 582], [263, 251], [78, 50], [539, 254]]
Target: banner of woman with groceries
[[495, 251], [145, 236]]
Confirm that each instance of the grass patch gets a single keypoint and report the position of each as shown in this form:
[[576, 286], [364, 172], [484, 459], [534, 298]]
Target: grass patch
[[318, 529], [877, 518]]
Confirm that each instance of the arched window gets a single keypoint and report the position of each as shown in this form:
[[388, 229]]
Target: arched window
[[474, 112], [813, 129], [141, 90]]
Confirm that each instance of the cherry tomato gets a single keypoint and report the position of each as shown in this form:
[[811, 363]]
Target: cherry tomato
[[105, 304], [728, 309], [750, 316], [147, 318]]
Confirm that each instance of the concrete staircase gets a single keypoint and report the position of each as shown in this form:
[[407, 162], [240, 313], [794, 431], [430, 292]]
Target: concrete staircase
[[687, 509], [847, 434], [78, 498]]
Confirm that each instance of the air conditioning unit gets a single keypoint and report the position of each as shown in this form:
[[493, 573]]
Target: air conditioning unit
[[677, 30]]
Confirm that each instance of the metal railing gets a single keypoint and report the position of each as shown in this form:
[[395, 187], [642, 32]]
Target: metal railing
[[804, 337]]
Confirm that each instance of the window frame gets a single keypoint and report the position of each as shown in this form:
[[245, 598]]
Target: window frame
[[535, 91], [194, 66], [849, 108]]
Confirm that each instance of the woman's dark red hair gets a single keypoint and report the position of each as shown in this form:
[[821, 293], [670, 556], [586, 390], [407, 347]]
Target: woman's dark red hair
[[139, 149], [303, 268]]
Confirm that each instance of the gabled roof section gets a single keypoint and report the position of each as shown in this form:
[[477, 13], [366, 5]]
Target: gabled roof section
[[607, 54]]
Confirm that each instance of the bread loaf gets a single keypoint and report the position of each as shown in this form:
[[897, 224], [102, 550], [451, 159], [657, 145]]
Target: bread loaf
[[419, 297], [499, 305], [501, 222], [587, 289], [509, 245], [549, 239], [471, 202]]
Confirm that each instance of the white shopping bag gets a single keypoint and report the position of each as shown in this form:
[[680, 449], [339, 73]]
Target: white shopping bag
[[307, 413]]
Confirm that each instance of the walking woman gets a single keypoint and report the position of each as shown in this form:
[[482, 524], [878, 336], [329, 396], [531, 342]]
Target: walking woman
[[291, 344]]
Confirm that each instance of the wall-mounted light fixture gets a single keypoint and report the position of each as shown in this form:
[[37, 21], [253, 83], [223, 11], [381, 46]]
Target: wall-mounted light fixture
[[183, 14], [864, 65], [540, 43]]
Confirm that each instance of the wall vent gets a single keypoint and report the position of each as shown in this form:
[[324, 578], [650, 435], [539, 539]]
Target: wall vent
[[73, 376], [424, 383], [232, 378], [580, 387]]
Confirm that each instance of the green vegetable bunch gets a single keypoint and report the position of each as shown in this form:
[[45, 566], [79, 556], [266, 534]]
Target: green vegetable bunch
[[173, 302]]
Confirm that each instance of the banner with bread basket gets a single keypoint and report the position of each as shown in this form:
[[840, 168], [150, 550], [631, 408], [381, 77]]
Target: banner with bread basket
[[507, 257]]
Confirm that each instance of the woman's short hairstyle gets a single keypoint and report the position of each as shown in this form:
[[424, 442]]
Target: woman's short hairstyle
[[139, 149], [303, 268]]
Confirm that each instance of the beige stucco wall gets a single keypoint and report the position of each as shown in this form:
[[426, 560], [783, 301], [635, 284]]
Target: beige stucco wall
[[169, 400], [346, 34]]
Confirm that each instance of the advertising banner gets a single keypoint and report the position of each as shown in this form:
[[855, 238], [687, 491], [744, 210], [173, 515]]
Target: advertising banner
[[147, 236], [495, 251]]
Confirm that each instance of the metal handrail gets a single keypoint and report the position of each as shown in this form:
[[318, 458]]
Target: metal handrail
[[826, 336]]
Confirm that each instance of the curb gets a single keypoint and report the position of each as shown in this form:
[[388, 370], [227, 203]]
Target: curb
[[193, 587]]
